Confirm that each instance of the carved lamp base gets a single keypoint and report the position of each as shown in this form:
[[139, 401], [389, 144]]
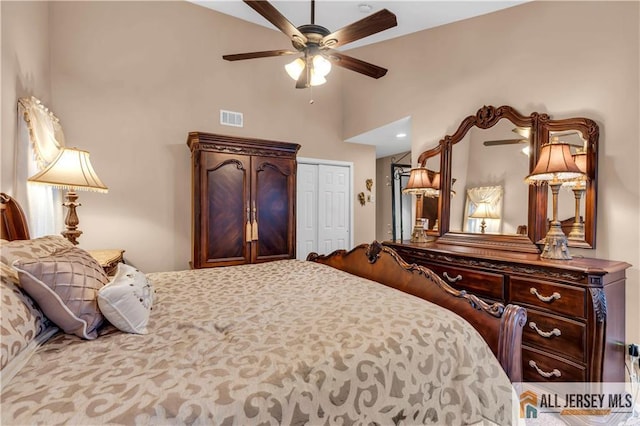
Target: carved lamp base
[[72, 233], [555, 246], [419, 234], [577, 231]]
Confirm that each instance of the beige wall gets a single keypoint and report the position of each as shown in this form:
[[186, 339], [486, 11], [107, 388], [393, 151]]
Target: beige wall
[[25, 72], [131, 79], [564, 58]]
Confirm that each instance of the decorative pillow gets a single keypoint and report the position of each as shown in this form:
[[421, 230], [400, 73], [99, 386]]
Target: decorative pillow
[[21, 321], [127, 300], [65, 285], [10, 251]]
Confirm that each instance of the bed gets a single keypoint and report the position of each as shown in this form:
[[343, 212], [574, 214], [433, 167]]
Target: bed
[[286, 342]]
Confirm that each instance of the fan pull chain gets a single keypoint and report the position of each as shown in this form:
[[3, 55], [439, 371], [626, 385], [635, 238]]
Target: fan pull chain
[[311, 101]]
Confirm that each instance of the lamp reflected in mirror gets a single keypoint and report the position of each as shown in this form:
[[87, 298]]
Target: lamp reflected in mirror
[[422, 185], [484, 211], [555, 166], [578, 186]]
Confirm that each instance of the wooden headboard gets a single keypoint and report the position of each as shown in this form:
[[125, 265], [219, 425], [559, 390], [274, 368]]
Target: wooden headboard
[[14, 222], [500, 326]]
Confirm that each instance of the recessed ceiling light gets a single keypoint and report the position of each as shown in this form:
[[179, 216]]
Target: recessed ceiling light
[[365, 8], [401, 135]]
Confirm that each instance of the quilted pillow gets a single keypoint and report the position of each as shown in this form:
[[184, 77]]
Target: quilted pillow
[[65, 285], [21, 321], [126, 301]]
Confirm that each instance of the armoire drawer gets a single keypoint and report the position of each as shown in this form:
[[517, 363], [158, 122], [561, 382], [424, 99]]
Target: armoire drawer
[[555, 334], [538, 366], [483, 284], [555, 297]]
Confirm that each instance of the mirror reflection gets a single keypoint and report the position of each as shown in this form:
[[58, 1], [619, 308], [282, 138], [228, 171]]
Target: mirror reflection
[[401, 202], [572, 200], [489, 166]]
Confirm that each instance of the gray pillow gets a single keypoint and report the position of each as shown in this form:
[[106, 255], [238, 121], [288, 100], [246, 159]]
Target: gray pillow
[[65, 285]]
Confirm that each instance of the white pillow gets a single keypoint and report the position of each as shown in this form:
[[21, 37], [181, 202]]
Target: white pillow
[[127, 299]]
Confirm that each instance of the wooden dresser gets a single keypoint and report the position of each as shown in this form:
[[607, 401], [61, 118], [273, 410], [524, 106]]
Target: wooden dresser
[[243, 201], [575, 326]]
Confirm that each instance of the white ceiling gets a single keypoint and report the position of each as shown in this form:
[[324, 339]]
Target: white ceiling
[[386, 138], [412, 16]]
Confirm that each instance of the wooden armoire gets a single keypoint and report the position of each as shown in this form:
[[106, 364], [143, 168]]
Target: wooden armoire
[[243, 200]]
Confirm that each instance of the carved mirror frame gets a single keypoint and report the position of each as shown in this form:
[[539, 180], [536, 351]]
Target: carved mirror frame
[[541, 127]]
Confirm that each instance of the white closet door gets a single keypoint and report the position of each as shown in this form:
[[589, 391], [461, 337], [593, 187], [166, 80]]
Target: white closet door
[[307, 214], [323, 208], [333, 208]]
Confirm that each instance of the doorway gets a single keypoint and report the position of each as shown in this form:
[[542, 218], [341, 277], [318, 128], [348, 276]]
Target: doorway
[[324, 206], [401, 203]]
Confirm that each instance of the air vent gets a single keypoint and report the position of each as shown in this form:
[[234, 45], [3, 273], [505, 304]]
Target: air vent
[[230, 118]]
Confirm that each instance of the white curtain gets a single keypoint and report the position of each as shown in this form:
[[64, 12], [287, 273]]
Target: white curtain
[[491, 195], [40, 139]]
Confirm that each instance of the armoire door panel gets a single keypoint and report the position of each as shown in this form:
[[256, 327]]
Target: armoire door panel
[[226, 191], [273, 194]]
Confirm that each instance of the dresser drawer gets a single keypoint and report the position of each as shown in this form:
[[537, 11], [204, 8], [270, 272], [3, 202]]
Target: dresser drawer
[[538, 366], [555, 334], [482, 284], [554, 297]]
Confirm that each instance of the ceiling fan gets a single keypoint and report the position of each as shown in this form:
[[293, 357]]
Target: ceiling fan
[[525, 134], [317, 44]]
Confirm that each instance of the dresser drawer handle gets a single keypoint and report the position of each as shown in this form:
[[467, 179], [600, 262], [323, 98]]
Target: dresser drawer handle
[[547, 299], [452, 280], [547, 334], [544, 374]]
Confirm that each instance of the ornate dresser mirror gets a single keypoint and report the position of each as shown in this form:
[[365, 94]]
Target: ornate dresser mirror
[[492, 248], [488, 158]]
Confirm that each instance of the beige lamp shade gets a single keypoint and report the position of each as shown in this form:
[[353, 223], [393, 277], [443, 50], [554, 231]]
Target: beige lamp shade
[[580, 158], [555, 164], [485, 211], [419, 181], [71, 169]]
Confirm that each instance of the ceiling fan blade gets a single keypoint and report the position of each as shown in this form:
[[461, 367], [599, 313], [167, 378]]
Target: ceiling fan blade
[[253, 55], [356, 65], [303, 80], [272, 15], [372, 24], [504, 142]]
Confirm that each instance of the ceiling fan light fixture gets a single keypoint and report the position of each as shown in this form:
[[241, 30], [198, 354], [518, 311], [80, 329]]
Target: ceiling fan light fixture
[[295, 68], [321, 65], [317, 79]]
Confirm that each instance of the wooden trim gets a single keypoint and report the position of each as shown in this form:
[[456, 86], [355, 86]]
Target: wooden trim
[[14, 222], [500, 326], [200, 141]]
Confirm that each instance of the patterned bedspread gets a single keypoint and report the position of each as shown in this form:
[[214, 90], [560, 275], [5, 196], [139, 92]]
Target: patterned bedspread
[[285, 342]]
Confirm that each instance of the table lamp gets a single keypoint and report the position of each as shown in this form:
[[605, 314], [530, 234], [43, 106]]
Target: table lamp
[[71, 170], [484, 211], [422, 186], [554, 167], [578, 186]]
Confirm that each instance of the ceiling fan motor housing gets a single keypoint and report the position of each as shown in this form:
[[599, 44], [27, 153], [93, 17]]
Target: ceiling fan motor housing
[[313, 33]]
